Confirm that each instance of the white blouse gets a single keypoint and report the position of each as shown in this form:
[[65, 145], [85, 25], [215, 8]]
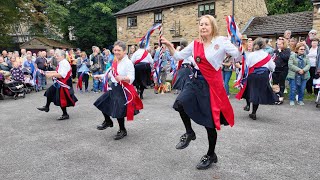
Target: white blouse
[[214, 53], [257, 56], [312, 56], [138, 54], [64, 68], [125, 68]]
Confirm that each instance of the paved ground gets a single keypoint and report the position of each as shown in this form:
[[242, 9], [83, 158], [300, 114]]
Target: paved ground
[[282, 144]]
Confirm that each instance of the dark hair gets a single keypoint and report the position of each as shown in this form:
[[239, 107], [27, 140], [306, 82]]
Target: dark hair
[[184, 43], [259, 43], [121, 44], [315, 39]]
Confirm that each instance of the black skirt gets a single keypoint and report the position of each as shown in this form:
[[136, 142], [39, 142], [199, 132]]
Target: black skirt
[[260, 91], [182, 77], [113, 102], [53, 94], [142, 74], [194, 100]]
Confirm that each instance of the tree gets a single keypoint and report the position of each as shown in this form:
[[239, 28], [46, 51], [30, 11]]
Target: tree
[[93, 21], [288, 6]]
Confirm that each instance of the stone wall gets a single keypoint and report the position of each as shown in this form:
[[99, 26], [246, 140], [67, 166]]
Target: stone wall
[[316, 19], [245, 9], [188, 17]]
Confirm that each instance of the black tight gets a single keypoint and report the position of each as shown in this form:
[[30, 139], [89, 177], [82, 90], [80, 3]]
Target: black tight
[[187, 122], [212, 138], [255, 108], [248, 102], [64, 110], [212, 132], [120, 121]]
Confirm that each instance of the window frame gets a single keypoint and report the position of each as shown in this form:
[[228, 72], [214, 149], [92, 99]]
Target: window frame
[[155, 15], [204, 11], [132, 17]]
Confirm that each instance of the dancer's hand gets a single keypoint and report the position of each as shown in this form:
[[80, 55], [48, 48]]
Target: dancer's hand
[[164, 41], [96, 77], [119, 78]]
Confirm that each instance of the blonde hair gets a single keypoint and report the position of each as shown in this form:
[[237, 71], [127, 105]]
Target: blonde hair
[[214, 25], [298, 46]]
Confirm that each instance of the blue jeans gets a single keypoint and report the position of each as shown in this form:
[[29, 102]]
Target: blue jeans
[[41, 80], [226, 78], [97, 85], [295, 88]]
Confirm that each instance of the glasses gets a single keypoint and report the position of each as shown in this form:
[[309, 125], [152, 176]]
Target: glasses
[[314, 33]]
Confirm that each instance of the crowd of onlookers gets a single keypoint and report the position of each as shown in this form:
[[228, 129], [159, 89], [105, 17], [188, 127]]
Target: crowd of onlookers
[[297, 65]]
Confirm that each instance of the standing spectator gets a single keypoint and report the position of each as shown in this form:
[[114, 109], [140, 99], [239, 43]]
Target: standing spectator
[[3, 65], [73, 62], [23, 54], [293, 43], [28, 64], [287, 36], [298, 75], [132, 50], [78, 53], [5, 54], [268, 49], [97, 68], [227, 72], [311, 35], [312, 57], [281, 60], [83, 69], [41, 67], [107, 58], [19, 60]]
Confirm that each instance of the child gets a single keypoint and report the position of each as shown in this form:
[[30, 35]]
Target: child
[[278, 94]]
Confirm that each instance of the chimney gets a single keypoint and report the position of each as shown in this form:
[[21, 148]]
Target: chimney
[[316, 15]]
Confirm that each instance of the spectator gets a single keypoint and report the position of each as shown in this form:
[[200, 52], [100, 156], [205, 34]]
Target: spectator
[[312, 58], [41, 67], [132, 50], [268, 49], [292, 43], [3, 65], [16, 72], [28, 64], [97, 68], [83, 69], [298, 75], [287, 37], [227, 72], [281, 60], [311, 35]]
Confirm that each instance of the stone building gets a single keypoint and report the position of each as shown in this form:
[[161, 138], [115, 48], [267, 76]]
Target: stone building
[[43, 44], [180, 18], [272, 27]]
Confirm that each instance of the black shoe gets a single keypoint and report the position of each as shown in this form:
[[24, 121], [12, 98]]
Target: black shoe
[[44, 108], [246, 108], [253, 116], [185, 140], [141, 96], [206, 161], [120, 134], [104, 125], [63, 117]]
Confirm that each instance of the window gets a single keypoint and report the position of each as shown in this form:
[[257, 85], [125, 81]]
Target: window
[[132, 21], [158, 17], [204, 9]]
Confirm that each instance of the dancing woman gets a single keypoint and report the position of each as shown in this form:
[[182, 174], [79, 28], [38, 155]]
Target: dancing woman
[[204, 99], [121, 100]]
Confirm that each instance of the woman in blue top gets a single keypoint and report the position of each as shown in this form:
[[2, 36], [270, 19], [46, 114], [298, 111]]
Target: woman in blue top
[[83, 69]]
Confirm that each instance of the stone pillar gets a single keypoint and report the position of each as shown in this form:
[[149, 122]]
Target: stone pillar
[[316, 15]]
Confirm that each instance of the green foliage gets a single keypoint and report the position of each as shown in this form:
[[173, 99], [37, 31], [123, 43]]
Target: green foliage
[[93, 21], [288, 6]]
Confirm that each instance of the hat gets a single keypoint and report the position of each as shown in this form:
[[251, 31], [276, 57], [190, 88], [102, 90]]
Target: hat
[[244, 37], [313, 31]]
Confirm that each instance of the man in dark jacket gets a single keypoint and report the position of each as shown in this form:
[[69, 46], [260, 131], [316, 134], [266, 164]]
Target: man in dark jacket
[[97, 68]]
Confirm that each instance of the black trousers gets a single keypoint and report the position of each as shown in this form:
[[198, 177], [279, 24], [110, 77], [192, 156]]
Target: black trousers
[[85, 79], [74, 71], [309, 86], [279, 77]]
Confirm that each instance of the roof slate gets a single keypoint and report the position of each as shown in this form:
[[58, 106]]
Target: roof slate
[[145, 5], [276, 24]]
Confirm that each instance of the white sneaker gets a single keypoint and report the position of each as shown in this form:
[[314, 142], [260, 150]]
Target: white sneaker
[[301, 103], [285, 91], [291, 103], [296, 97]]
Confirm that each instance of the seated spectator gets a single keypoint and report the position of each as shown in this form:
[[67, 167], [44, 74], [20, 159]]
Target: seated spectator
[[3, 65], [16, 72], [278, 94]]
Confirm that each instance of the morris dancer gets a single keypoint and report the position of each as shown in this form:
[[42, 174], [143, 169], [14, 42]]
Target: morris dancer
[[61, 92], [204, 99], [260, 65], [142, 60], [121, 100], [184, 70]]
